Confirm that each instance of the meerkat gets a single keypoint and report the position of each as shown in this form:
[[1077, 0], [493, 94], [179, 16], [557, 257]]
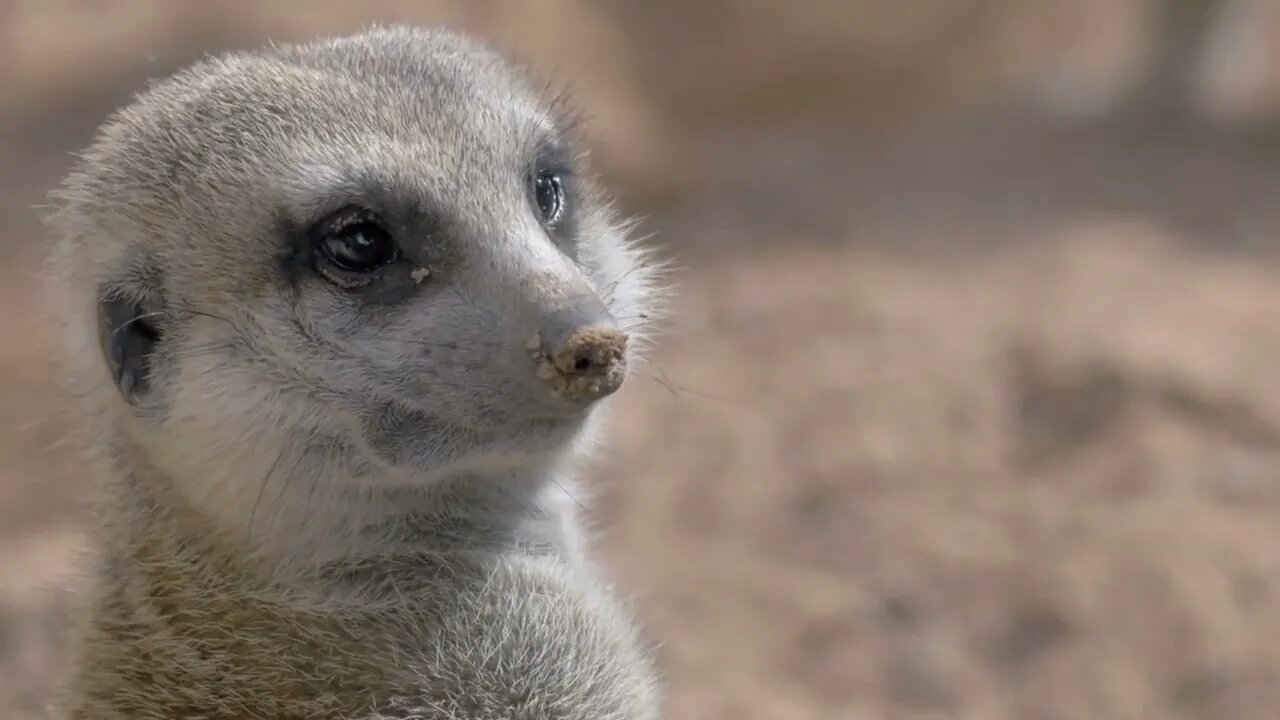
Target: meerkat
[[344, 317]]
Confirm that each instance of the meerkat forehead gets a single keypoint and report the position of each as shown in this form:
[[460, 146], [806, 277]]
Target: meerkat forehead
[[210, 158]]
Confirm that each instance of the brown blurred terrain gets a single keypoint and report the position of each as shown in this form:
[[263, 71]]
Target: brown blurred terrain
[[970, 407]]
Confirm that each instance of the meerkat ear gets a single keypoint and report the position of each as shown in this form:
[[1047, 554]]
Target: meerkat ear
[[128, 334]]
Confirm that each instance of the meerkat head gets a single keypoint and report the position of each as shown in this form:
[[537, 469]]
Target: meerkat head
[[379, 253]]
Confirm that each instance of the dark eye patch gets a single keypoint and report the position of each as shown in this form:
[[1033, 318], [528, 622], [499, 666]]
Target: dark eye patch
[[366, 239]]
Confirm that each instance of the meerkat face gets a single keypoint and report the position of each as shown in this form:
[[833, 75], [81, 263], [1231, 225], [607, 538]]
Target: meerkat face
[[380, 248]]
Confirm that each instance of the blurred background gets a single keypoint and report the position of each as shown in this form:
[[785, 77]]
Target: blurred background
[[970, 405]]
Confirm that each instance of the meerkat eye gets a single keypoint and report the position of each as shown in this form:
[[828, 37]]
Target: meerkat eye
[[353, 243], [362, 247], [548, 191]]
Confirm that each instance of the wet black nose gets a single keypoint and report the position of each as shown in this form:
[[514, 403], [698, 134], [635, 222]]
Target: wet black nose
[[585, 364]]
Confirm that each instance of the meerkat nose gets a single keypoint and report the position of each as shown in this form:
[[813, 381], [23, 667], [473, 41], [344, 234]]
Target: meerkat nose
[[585, 364]]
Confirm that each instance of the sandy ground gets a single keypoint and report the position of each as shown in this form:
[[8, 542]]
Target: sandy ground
[[977, 422]]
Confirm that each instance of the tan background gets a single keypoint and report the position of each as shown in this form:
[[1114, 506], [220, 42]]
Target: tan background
[[970, 408]]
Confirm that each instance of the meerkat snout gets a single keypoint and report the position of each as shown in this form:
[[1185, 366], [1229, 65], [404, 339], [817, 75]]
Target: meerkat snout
[[592, 352], [584, 364], [580, 352]]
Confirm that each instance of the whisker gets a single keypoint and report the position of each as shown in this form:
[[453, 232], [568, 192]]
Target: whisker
[[674, 388], [132, 320], [201, 313], [261, 489], [315, 486], [565, 490], [629, 318], [612, 287], [293, 472]]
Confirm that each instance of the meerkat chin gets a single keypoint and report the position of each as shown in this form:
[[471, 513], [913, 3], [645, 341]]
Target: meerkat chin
[[342, 315]]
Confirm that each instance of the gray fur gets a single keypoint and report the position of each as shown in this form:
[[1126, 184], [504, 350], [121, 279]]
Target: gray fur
[[358, 505]]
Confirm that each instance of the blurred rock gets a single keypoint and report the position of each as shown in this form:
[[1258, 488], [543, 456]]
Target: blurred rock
[[1237, 82]]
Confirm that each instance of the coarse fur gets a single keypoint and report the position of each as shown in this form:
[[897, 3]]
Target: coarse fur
[[336, 502]]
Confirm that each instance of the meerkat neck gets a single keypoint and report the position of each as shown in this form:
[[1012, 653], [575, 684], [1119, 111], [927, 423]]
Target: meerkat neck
[[302, 522]]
